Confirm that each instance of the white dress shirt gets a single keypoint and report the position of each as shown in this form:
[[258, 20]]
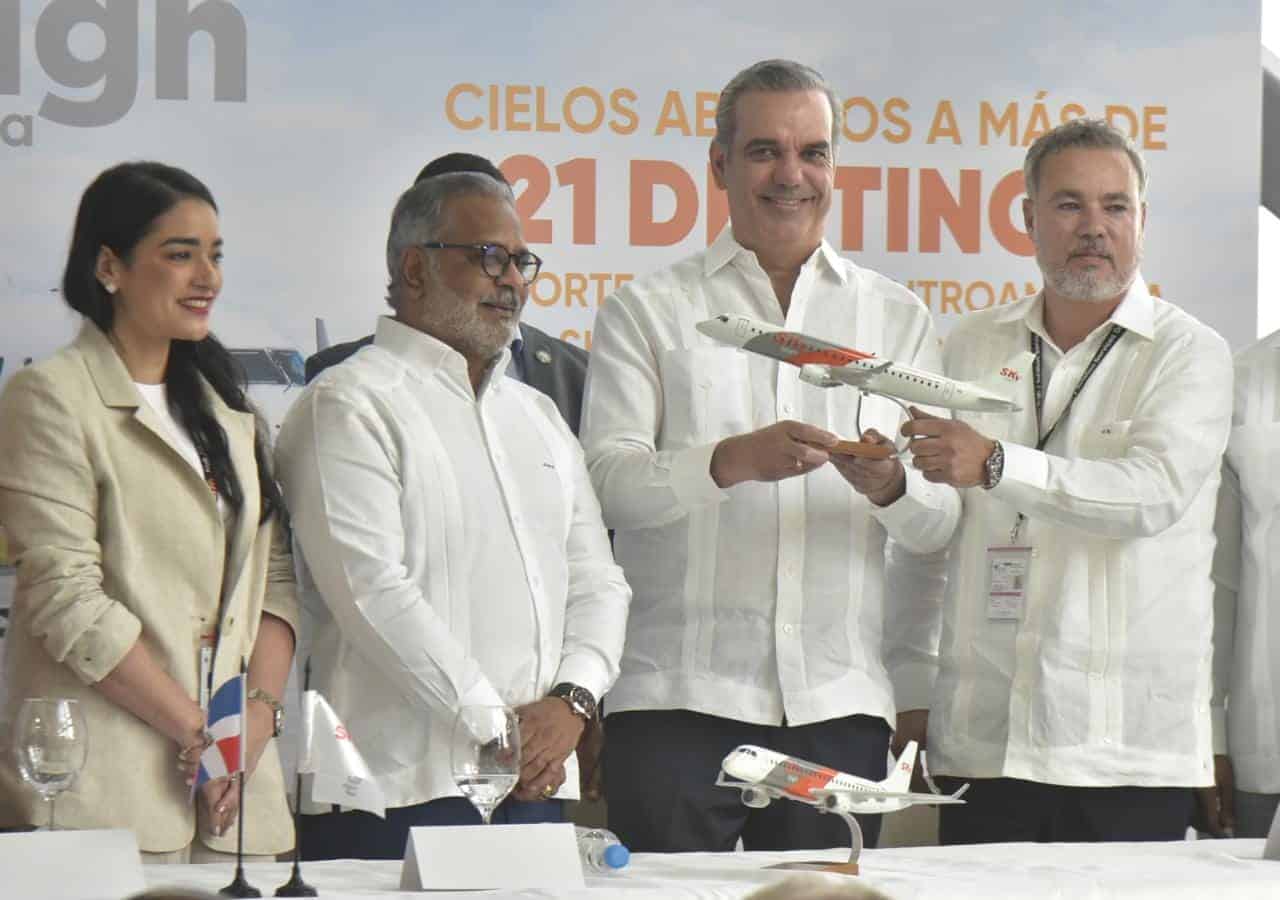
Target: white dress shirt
[[1105, 678], [450, 549], [763, 600], [1247, 577]]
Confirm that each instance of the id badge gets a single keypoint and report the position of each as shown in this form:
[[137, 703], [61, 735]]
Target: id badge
[[207, 642], [1008, 576]]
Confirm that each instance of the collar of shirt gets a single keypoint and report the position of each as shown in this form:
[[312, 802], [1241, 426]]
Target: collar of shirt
[[426, 356], [726, 250], [1135, 313]]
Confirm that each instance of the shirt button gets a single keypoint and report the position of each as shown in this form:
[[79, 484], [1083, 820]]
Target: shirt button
[[786, 629], [786, 409]]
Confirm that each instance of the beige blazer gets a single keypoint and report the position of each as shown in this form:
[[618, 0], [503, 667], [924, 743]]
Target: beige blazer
[[117, 538]]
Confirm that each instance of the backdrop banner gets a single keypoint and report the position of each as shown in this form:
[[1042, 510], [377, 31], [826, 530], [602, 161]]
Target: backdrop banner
[[308, 119]]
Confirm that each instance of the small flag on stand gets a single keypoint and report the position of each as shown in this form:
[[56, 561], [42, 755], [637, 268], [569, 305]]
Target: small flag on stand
[[338, 772], [225, 756]]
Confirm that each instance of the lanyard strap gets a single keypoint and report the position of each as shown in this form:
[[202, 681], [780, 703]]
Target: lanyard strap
[[1037, 379]]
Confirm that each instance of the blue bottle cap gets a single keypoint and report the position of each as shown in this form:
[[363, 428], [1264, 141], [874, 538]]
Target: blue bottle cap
[[616, 856]]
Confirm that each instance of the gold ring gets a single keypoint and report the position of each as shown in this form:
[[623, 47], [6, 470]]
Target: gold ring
[[548, 791]]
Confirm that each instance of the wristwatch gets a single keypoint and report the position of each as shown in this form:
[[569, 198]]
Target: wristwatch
[[580, 700], [277, 711], [993, 468]]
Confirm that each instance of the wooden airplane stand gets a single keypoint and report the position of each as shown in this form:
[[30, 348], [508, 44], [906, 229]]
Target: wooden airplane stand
[[844, 868]]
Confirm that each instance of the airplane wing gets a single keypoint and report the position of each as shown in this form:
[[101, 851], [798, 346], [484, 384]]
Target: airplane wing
[[912, 796], [856, 377]]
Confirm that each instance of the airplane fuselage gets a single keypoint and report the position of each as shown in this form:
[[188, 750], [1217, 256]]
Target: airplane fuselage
[[786, 776], [828, 365]]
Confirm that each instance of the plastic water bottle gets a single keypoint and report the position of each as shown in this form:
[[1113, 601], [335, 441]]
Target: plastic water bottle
[[600, 849]]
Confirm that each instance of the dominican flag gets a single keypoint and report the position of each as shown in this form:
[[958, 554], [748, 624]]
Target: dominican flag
[[225, 755]]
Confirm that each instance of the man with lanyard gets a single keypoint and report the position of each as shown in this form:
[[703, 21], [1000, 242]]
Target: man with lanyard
[[1074, 667]]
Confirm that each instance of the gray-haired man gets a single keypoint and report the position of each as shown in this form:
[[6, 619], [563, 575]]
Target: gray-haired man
[[452, 547], [1074, 684]]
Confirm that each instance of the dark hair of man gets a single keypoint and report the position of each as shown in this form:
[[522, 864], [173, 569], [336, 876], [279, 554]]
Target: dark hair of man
[[772, 76], [452, 163], [117, 211]]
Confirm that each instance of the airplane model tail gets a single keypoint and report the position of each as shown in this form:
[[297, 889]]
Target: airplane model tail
[[899, 780], [1004, 381]]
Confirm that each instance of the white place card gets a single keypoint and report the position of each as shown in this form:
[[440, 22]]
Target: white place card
[[478, 857], [71, 865], [1272, 850]]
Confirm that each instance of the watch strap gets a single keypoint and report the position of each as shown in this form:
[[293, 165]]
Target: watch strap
[[579, 699], [993, 468], [277, 709]]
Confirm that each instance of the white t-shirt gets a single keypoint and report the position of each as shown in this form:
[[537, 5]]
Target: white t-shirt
[[157, 397]]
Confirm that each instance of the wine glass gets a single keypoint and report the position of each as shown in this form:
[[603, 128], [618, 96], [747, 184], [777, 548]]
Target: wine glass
[[51, 740], [485, 755]]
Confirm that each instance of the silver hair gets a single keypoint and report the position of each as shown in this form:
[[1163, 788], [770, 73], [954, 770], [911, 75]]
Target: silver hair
[[421, 214], [1091, 134], [774, 76]]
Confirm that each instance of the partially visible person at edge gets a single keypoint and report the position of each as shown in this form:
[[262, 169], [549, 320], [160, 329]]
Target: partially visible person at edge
[[146, 526], [1246, 623]]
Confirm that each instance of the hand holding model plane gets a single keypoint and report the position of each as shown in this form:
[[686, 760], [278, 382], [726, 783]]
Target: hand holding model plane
[[782, 450], [882, 481], [947, 451]]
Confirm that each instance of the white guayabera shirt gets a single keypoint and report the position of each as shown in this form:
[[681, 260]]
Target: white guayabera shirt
[[1247, 577], [1105, 678], [762, 601], [450, 552]]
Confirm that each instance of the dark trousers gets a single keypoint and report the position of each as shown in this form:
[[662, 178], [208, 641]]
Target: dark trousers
[[1008, 809], [362, 835], [660, 769]]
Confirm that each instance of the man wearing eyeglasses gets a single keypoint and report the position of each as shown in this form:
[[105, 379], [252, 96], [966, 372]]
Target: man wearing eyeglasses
[[555, 367], [451, 547]]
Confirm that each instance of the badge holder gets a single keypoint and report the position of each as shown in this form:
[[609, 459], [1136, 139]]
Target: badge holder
[[1008, 576]]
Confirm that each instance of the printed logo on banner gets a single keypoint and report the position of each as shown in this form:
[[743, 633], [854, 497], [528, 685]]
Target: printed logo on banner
[[116, 66]]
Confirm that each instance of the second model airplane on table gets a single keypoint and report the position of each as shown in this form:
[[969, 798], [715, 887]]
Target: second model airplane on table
[[830, 365], [765, 775]]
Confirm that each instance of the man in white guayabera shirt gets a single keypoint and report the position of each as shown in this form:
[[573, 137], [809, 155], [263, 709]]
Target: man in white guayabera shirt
[[1246, 628], [451, 547], [1074, 681], [765, 611]]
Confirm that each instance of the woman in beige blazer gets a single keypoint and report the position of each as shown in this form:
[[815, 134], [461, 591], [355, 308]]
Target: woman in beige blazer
[[146, 525]]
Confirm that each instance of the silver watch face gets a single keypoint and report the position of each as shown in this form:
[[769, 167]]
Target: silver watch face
[[579, 698]]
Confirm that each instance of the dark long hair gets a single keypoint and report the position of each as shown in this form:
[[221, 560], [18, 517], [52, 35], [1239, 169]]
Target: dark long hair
[[117, 211]]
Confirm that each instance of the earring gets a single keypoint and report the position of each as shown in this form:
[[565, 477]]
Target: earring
[[109, 288]]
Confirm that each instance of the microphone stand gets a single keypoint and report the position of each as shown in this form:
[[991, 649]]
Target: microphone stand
[[239, 887], [295, 886]]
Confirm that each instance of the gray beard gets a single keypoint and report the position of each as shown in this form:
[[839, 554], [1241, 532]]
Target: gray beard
[[1088, 287]]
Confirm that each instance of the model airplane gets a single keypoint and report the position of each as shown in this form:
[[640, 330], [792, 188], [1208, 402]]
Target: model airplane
[[829, 365], [765, 775]]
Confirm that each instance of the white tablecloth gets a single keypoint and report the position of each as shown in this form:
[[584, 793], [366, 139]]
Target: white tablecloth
[[1219, 870]]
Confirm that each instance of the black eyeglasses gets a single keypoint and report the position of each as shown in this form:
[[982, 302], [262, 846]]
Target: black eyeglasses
[[494, 258]]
